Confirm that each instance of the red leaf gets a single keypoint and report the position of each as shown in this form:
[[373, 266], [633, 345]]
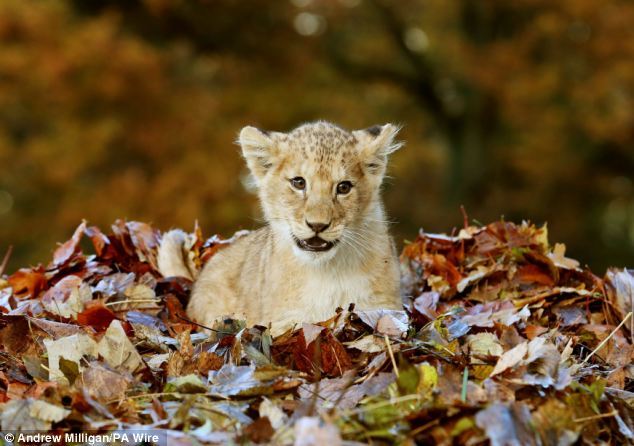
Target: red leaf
[[324, 355], [96, 315], [27, 283], [334, 358]]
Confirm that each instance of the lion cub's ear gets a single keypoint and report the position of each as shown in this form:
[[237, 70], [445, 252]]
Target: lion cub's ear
[[258, 149], [375, 144]]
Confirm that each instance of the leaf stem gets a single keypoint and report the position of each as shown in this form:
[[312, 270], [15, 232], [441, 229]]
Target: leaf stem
[[625, 319]]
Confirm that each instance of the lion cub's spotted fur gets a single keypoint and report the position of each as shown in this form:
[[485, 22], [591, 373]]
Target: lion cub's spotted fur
[[265, 277]]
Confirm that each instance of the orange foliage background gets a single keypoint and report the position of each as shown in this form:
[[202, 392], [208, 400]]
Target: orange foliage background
[[129, 109]]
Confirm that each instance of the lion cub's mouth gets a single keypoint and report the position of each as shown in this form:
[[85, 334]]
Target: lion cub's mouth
[[315, 244]]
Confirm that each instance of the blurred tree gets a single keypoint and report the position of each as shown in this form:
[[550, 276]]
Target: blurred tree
[[117, 111], [128, 108], [532, 101]]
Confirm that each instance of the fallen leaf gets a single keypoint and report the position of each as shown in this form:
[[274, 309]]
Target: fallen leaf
[[368, 344], [117, 350], [560, 260], [621, 290], [231, 380], [506, 425], [276, 416], [260, 431], [311, 431], [96, 315], [510, 358], [69, 248], [426, 304], [342, 391], [186, 384], [67, 297], [311, 332], [71, 348], [104, 384], [28, 282], [47, 412], [570, 315], [483, 345], [16, 416], [392, 322]]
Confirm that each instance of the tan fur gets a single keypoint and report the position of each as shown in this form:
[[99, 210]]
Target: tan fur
[[265, 277]]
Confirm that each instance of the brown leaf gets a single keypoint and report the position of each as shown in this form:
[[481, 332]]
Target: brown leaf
[[621, 290], [530, 274], [145, 240], [532, 331], [99, 240], [67, 297], [69, 248], [343, 391], [553, 421], [208, 361], [104, 384], [175, 365], [14, 338], [324, 355], [28, 282], [570, 315], [260, 431], [55, 329]]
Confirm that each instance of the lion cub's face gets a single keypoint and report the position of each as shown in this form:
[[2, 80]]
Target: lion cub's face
[[319, 184]]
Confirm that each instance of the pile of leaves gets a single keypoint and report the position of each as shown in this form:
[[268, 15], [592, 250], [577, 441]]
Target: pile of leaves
[[502, 340]]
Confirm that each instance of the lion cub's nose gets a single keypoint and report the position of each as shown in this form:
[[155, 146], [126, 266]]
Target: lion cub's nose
[[318, 227]]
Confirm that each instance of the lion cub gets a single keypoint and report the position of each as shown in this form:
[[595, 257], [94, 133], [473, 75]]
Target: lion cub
[[326, 243]]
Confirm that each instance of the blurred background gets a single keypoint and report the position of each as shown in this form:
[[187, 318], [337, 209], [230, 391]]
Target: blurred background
[[129, 109]]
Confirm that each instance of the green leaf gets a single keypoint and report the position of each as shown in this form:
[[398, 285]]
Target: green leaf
[[69, 368], [428, 379], [462, 425], [408, 377], [185, 384]]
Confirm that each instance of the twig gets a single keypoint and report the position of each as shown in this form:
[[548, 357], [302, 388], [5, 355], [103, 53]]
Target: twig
[[5, 260], [391, 353], [629, 315], [202, 326], [465, 217], [424, 427], [629, 285], [145, 395], [596, 417], [127, 301]]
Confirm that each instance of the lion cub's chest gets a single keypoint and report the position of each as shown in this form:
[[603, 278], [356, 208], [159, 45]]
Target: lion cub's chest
[[322, 293]]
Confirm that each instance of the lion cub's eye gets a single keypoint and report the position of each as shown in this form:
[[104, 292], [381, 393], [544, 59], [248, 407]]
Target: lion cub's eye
[[344, 187], [298, 183]]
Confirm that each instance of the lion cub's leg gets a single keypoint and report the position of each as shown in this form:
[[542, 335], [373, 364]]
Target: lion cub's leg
[[216, 294]]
